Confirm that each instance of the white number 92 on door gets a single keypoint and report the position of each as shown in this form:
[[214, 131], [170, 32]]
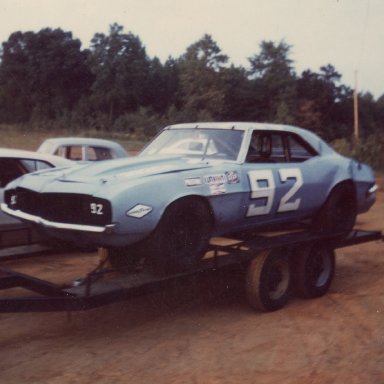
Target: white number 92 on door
[[263, 189]]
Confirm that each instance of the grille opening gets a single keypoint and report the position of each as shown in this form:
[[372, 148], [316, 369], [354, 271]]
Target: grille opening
[[70, 208]]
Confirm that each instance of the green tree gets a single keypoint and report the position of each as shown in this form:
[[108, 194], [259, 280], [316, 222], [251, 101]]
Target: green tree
[[274, 82], [121, 68], [162, 85], [201, 83], [323, 104], [42, 75], [380, 114], [239, 97], [369, 115]]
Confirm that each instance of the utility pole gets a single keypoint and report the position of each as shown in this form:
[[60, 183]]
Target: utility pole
[[355, 114]]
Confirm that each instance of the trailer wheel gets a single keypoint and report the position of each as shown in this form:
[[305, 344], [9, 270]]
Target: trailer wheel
[[268, 280], [314, 267]]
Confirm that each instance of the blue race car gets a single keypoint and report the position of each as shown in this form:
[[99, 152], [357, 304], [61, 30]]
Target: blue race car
[[192, 182]]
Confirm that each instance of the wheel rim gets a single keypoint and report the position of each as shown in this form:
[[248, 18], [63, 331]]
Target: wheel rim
[[278, 279], [319, 268]]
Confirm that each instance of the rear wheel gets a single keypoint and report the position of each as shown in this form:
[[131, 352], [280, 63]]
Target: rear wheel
[[268, 280], [314, 267], [338, 214]]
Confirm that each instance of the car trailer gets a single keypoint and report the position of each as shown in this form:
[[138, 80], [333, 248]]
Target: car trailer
[[272, 267]]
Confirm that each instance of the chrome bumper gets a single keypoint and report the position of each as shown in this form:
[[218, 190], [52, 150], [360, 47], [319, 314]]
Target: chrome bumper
[[53, 224]]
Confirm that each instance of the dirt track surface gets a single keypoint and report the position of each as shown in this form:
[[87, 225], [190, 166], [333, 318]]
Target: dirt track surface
[[205, 332]]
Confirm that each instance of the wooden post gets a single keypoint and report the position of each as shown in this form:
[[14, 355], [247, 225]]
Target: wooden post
[[355, 114]]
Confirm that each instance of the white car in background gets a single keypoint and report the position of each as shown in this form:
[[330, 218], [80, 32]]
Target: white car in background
[[13, 164], [83, 149]]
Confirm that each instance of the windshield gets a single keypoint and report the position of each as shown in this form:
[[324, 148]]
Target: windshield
[[197, 142]]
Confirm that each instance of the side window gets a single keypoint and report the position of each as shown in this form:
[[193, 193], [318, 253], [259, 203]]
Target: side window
[[99, 153], [266, 147], [11, 169], [61, 151], [298, 150], [91, 154], [74, 152], [40, 165], [29, 165], [277, 153], [35, 165]]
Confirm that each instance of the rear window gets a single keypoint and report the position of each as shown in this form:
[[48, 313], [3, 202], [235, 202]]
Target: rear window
[[72, 152], [298, 150], [99, 153]]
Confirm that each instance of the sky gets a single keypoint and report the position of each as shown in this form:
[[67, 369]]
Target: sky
[[349, 34]]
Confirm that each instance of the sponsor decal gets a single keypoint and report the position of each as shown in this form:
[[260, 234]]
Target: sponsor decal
[[215, 179], [217, 189], [232, 177], [139, 211], [193, 181]]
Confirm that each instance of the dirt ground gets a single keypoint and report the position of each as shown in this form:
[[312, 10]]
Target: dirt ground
[[205, 332]]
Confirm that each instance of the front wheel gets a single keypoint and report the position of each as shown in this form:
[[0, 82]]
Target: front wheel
[[126, 259], [181, 237], [268, 280]]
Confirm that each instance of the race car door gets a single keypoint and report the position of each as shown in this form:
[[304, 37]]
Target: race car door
[[277, 185]]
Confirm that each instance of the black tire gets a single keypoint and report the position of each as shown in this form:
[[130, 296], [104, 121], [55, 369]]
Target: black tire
[[314, 267], [126, 259], [181, 237], [268, 280], [338, 214]]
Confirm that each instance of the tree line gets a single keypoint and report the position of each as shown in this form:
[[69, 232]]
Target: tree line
[[48, 80]]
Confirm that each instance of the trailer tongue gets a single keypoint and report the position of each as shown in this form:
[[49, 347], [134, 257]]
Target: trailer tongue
[[272, 266]]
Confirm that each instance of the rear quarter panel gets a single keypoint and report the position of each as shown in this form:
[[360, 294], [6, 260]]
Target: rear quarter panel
[[364, 179]]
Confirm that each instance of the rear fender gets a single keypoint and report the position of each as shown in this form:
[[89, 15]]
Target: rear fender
[[364, 180]]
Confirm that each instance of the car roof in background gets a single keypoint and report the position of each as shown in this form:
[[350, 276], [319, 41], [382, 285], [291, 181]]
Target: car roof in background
[[24, 154], [79, 139], [82, 141], [69, 141]]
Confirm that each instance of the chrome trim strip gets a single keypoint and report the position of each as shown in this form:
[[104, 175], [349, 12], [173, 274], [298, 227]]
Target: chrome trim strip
[[53, 224], [373, 189]]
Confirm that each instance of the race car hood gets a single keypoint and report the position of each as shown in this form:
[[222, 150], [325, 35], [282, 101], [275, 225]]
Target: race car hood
[[109, 172], [131, 168]]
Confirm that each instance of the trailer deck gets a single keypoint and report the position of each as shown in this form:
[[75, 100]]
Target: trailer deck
[[104, 286]]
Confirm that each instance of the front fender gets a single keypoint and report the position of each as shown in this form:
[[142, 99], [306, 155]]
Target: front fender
[[140, 207]]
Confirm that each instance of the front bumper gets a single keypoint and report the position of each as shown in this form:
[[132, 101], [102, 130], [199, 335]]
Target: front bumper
[[52, 224]]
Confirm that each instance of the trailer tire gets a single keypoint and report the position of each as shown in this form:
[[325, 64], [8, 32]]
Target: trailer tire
[[314, 267], [268, 280]]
